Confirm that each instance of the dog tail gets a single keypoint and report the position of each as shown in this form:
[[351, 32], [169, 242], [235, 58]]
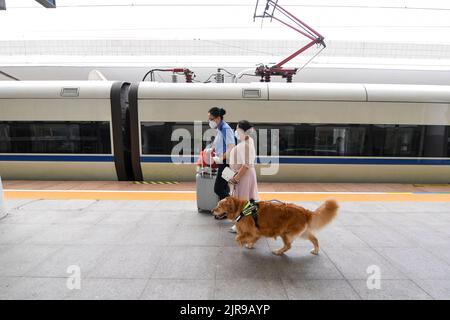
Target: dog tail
[[324, 214]]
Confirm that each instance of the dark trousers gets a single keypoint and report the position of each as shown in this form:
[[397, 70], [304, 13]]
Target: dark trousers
[[221, 187]]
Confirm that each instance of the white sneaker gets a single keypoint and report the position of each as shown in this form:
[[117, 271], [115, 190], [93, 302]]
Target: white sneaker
[[233, 229]]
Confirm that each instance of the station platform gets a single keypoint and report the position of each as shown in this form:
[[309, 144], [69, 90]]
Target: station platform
[[146, 241], [173, 190]]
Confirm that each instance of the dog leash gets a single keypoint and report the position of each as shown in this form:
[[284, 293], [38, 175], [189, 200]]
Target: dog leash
[[276, 200]]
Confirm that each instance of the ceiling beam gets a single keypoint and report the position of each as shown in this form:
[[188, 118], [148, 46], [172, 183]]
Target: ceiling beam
[[47, 3]]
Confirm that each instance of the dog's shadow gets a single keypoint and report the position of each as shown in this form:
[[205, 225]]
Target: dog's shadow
[[295, 256]]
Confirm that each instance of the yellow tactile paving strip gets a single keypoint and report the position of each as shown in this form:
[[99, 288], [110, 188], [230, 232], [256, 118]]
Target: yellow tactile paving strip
[[291, 192], [190, 195]]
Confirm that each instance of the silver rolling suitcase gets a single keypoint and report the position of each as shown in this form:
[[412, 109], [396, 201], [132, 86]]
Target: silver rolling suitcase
[[206, 198]]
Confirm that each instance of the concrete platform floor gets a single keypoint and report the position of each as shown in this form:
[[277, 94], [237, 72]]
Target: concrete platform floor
[[166, 250], [190, 186]]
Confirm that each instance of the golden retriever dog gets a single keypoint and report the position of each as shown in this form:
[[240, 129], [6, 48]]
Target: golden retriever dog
[[274, 219]]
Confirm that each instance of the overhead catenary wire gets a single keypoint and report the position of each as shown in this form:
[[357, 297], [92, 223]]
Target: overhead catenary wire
[[307, 62], [235, 5], [238, 47], [244, 28], [9, 76]]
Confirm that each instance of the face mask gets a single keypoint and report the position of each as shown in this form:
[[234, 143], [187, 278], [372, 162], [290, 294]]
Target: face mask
[[212, 124], [237, 135]]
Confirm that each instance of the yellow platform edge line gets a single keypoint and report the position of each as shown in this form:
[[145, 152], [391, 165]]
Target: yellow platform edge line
[[189, 196]]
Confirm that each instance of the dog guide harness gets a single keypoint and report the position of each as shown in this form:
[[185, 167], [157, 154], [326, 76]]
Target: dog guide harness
[[250, 208]]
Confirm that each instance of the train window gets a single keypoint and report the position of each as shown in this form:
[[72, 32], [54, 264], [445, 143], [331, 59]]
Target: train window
[[339, 140], [367, 140], [317, 140], [55, 137], [397, 140], [162, 137], [434, 141], [288, 139], [155, 138]]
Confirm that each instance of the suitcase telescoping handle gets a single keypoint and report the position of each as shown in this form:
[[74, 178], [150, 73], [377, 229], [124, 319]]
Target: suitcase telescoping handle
[[203, 167]]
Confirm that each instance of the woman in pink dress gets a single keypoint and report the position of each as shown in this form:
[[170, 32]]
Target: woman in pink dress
[[242, 162]]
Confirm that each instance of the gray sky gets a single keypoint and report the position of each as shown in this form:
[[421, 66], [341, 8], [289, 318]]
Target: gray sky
[[365, 20]]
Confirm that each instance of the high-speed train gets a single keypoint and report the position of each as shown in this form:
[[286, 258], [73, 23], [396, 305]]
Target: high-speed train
[[315, 132], [62, 130]]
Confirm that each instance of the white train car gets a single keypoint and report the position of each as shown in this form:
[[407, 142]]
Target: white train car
[[62, 130], [327, 132], [85, 130]]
